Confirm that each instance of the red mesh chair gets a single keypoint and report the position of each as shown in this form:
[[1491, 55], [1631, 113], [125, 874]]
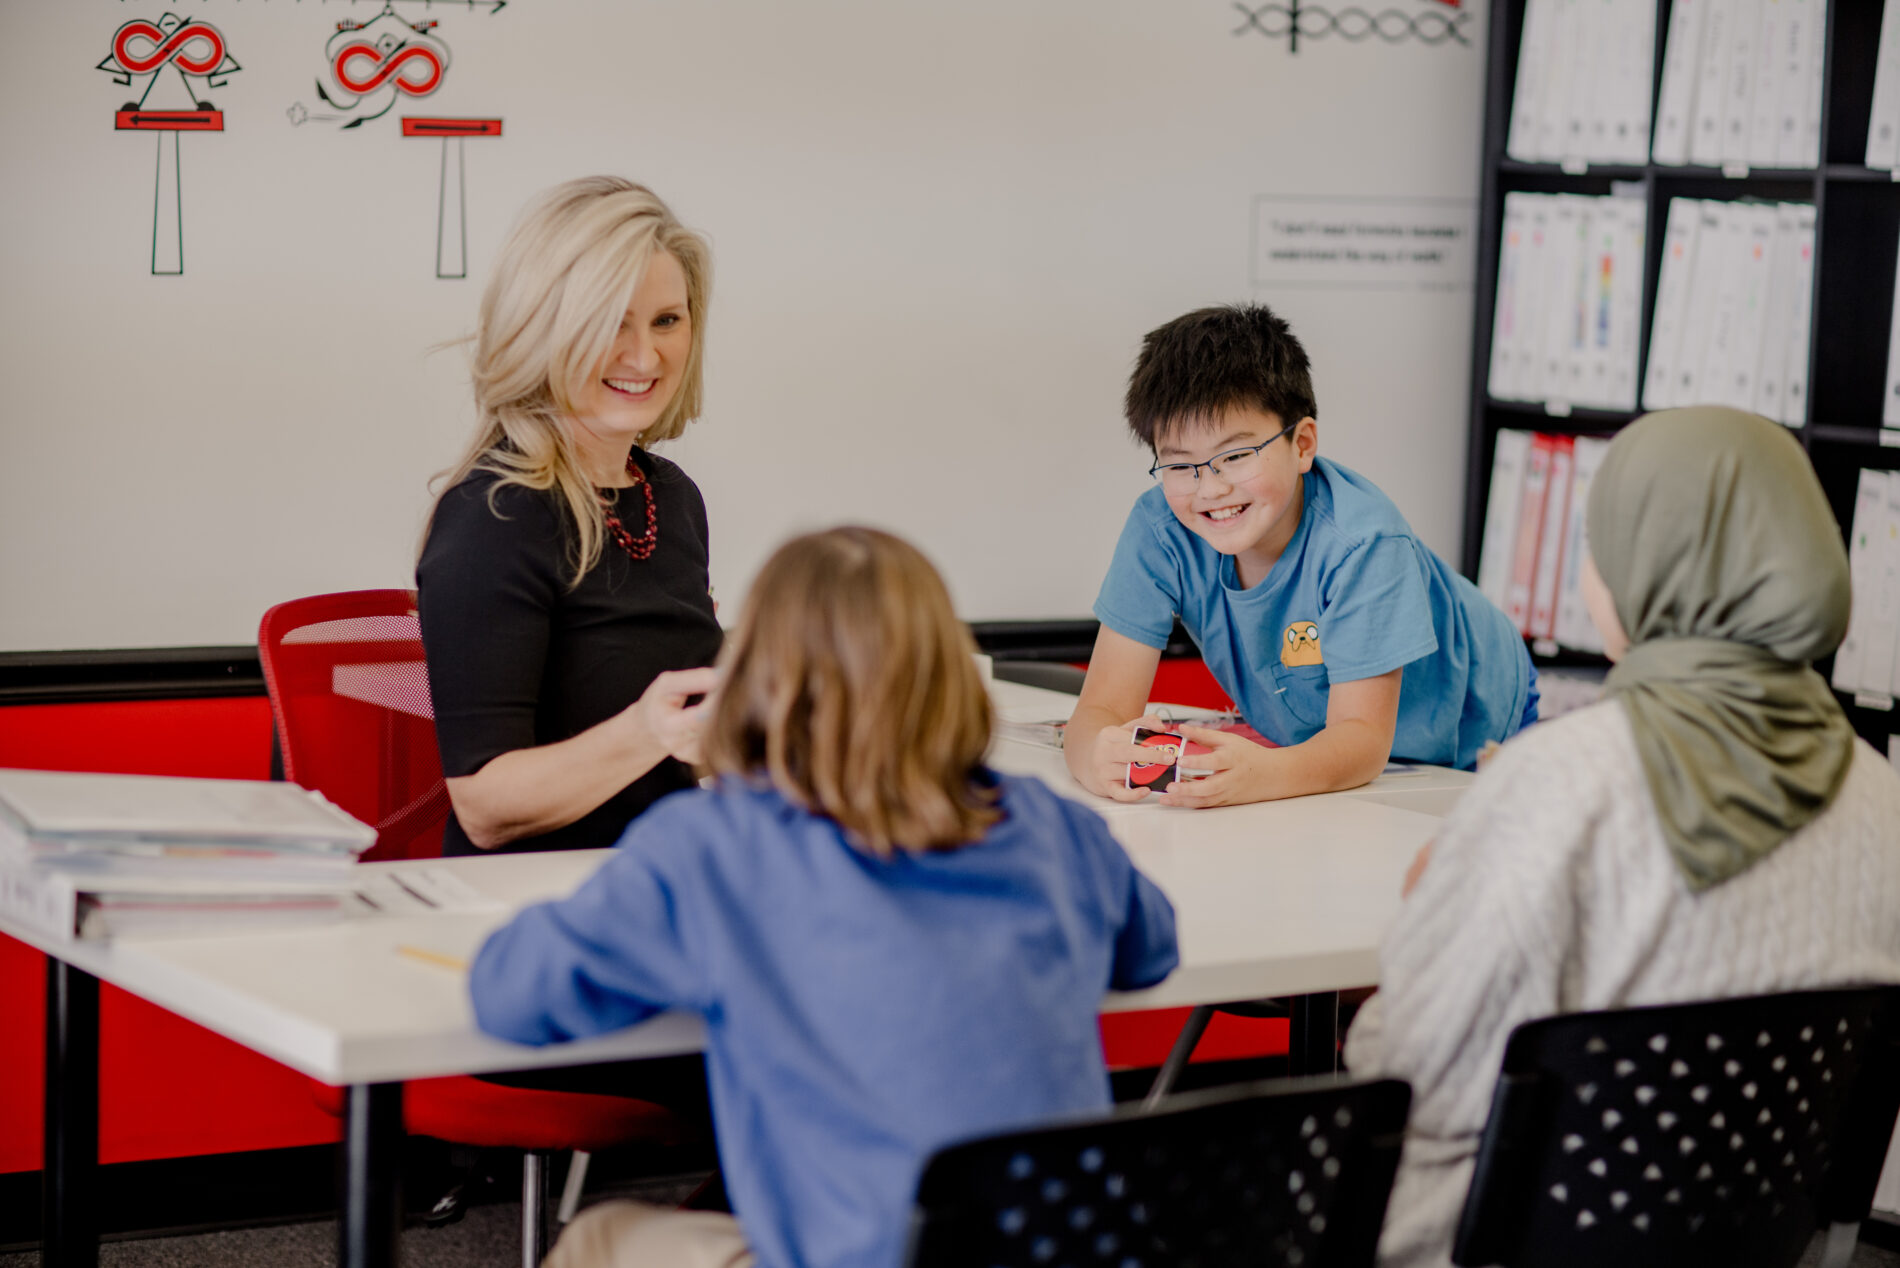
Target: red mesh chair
[[349, 691]]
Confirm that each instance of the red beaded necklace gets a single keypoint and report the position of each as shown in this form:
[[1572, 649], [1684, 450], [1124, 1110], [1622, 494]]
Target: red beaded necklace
[[642, 546]]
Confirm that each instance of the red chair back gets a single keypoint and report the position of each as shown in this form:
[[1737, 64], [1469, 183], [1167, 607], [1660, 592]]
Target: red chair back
[[349, 692]]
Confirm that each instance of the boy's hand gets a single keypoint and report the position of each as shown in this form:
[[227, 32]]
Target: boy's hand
[[1113, 749], [1243, 771]]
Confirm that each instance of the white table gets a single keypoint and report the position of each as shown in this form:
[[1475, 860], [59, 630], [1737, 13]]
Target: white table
[[1278, 899]]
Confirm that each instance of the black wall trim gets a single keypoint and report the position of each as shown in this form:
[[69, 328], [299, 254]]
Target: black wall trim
[[143, 673], [185, 673]]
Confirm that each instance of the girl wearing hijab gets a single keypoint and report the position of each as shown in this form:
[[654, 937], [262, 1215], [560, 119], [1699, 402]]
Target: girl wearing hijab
[[1712, 828]]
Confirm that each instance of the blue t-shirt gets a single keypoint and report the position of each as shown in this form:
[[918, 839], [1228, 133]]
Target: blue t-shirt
[[1354, 595], [860, 1013]]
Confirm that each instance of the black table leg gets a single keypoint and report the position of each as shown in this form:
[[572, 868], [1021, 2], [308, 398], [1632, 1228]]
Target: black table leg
[[69, 1206], [1184, 1044], [370, 1225], [1313, 1034]]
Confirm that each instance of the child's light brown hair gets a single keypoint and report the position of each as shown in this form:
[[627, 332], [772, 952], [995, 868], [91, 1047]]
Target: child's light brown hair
[[852, 686]]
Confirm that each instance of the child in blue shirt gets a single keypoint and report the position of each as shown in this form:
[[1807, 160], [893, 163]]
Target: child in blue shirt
[[892, 946], [1338, 633]]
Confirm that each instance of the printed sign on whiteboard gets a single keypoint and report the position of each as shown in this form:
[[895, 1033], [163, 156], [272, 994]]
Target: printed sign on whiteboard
[[1363, 243]]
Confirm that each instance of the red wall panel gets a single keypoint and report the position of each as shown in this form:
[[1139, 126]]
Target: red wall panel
[[167, 1087]]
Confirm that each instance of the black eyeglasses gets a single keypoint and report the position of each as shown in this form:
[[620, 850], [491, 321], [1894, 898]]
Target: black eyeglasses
[[1233, 465]]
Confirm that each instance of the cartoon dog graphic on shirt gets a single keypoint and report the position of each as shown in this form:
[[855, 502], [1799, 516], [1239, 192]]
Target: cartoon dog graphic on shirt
[[1301, 646]]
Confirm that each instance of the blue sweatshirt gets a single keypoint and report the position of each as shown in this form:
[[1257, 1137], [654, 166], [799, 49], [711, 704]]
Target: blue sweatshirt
[[859, 1012]]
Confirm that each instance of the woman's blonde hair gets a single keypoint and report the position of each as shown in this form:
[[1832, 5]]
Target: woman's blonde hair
[[552, 310], [851, 685]]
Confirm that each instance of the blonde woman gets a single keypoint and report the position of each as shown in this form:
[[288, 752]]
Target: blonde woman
[[893, 947], [563, 582]]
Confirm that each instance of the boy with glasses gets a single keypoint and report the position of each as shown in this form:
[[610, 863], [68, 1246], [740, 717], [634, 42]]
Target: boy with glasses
[[1340, 635]]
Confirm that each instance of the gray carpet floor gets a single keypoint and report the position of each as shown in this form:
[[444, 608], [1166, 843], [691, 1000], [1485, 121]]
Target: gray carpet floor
[[487, 1237]]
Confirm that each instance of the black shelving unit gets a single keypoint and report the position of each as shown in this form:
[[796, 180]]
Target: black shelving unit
[[1857, 236]]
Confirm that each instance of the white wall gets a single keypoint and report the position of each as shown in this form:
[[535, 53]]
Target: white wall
[[939, 233]]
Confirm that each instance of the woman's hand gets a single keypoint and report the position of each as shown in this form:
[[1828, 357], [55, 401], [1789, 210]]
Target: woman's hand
[[1242, 771], [663, 713], [1110, 752]]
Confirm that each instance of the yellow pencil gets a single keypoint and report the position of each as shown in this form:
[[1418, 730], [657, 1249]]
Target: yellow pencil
[[436, 958]]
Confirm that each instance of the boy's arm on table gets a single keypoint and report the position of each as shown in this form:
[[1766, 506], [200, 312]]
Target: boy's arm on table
[[1349, 751], [612, 953], [1100, 743]]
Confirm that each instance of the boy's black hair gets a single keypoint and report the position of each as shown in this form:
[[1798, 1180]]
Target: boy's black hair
[[1214, 359]]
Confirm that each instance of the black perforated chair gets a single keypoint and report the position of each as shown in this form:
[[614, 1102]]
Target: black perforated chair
[[1718, 1133], [1292, 1172]]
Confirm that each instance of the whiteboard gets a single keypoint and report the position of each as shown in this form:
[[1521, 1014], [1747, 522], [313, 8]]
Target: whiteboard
[[939, 232]]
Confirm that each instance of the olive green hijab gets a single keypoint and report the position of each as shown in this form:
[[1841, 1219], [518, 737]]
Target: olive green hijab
[[1728, 572]]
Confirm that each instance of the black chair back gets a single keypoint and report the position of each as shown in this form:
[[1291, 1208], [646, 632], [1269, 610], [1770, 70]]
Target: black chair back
[[1292, 1172], [1717, 1133]]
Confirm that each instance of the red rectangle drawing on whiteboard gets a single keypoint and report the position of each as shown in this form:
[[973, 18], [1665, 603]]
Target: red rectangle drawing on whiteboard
[[169, 121], [451, 127]]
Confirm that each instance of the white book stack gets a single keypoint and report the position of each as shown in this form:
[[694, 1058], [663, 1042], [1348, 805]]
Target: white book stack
[[1733, 301], [1583, 82], [86, 855], [1568, 322], [1534, 544], [1741, 84], [1864, 666]]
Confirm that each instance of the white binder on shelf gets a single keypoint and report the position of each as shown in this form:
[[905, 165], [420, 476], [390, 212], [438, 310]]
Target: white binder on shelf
[[1738, 111], [1765, 105], [1532, 317], [1771, 377], [1533, 70], [1890, 409], [1711, 95], [1675, 101], [1626, 302], [1800, 37], [1582, 122], [1563, 258], [1753, 276], [1701, 310], [1497, 554], [1795, 402], [1719, 305], [1553, 119], [1626, 106], [1883, 119], [1870, 500], [1811, 125], [1507, 318], [1878, 642], [1680, 233], [1574, 627]]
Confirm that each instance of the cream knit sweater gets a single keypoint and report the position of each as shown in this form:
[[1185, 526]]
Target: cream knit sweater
[[1550, 891]]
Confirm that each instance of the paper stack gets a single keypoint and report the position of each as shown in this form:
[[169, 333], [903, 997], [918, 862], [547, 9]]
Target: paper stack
[[1733, 308], [1741, 84], [1582, 94], [1864, 666], [1568, 321], [1531, 559], [90, 856]]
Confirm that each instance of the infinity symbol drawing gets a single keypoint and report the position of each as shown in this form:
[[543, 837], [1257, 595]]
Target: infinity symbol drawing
[[399, 67], [165, 50]]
